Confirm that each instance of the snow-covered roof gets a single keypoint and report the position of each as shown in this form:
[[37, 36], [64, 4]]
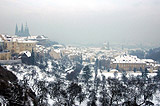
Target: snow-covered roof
[[157, 65], [41, 37], [26, 41], [1, 40], [127, 59], [6, 37], [114, 70], [148, 60], [17, 39], [28, 54], [57, 50], [32, 37], [58, 45]]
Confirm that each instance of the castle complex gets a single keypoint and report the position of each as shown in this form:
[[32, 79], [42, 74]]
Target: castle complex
[[23, 32]]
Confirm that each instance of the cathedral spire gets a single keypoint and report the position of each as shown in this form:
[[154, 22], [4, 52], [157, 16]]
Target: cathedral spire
[[16, 30], [26, 28], [24, 31], [22, 28]]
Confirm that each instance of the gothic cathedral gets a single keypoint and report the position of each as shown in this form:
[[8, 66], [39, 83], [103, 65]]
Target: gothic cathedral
[[22, 32]]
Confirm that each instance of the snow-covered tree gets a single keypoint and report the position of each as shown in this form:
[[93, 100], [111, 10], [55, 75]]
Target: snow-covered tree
[[87, 74]]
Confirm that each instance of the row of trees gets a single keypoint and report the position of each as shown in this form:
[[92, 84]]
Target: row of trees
[[99, 90], [150, 54], [81, 86]]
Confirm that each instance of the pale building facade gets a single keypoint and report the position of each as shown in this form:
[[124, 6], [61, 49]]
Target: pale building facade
[[5, 55], [129, 63], [54, 54], [15, 45]]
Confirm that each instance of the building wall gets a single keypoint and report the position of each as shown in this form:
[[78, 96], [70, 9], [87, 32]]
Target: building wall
[[1, 46], [128, 66], [5, 55], [26, 46], [12, 46], [2, 37], [8, 62], [16, 47], [54, 55]]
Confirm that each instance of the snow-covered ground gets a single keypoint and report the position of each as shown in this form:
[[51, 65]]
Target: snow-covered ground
[[34, 72]]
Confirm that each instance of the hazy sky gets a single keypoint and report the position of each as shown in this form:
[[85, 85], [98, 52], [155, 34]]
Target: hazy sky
[[84, 21]]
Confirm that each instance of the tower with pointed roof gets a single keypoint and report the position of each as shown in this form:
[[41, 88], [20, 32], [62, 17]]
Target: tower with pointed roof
[[22, 28], [23, 32], [16, 30], [26, 31]]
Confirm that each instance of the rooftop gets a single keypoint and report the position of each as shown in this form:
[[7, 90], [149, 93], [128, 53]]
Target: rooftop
[[127, 59]]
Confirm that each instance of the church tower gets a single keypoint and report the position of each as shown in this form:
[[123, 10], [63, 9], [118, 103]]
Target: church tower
[[22, 29], [22, 32], [16, 30], [26, 31], [108, 48]]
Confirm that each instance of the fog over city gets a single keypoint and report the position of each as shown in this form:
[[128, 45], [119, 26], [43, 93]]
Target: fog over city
[[79, 52], [84, 21]]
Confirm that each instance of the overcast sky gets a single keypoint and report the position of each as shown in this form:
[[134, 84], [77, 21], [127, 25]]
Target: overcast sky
[[84, 21]]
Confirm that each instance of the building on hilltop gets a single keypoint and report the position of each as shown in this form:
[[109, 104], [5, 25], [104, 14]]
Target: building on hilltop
[[17, 44], [5, 55], [23, 32], [131, 63], [106, 46]]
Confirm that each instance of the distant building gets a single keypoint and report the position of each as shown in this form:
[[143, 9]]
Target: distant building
[[128, 63], [23, 32], [17, 44], [25, 56], [41, 38], [106, 46], [1, 44], [5, 55], [55, 54]]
